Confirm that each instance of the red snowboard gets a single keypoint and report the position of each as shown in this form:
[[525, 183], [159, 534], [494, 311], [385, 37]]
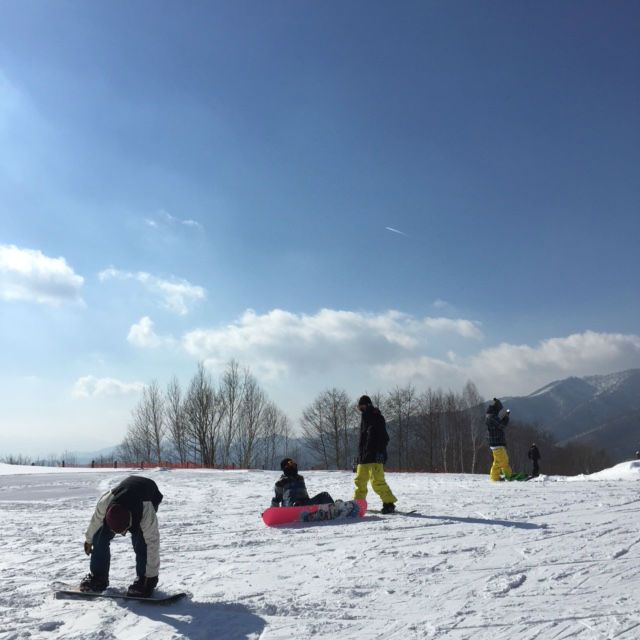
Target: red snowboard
[[315, 512]]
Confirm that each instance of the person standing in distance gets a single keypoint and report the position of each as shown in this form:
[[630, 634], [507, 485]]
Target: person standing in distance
[[130, 506], [534, 456], [372, 454], [496, 419]]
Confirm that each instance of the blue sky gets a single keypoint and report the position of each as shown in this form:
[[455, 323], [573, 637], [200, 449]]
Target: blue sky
[[216, 180]]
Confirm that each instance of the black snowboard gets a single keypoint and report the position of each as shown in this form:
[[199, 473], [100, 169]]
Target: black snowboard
[[69, 593]]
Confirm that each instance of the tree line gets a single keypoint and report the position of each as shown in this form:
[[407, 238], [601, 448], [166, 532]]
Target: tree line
[[223, 423], [232, 422]]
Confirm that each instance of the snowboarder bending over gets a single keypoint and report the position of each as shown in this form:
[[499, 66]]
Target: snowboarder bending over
[[534, 456], [291, 490], [130, 506], [496, 419], [372, 454]]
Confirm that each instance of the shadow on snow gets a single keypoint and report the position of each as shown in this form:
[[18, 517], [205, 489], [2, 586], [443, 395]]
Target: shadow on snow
[[501, 523], [204, 620]]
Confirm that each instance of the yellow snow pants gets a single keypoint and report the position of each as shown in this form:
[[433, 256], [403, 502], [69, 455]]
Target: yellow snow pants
[[375, 473], [500, 463]]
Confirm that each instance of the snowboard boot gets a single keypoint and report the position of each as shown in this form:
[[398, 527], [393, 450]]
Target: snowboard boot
[[388, 507], [93, 584], [142, 587]]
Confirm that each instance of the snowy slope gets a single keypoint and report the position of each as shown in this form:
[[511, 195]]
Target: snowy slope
[[549, 558]]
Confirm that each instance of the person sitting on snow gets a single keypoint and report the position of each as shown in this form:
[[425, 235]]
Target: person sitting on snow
[[496, 419], [291, 490], [130, 506]]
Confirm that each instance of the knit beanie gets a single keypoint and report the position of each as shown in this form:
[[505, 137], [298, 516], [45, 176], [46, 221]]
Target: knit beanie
[[118, 518], [289, 467], [364, 400]]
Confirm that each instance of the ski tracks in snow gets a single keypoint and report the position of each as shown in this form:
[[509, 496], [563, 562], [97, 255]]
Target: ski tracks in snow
[[550, 559]]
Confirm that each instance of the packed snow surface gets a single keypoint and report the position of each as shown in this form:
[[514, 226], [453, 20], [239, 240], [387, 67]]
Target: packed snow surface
[[548, 559]]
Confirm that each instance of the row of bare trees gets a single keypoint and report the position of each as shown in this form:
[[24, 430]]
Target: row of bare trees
[[434, 431], [224, 423], [430, 431], [232, 422]]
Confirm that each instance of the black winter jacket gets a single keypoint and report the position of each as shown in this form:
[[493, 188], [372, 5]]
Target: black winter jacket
[[373, 437], [496, 424], [132, 492], [290, 491]]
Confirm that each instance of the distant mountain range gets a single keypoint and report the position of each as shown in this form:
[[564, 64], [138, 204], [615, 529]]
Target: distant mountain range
[[602, 410]]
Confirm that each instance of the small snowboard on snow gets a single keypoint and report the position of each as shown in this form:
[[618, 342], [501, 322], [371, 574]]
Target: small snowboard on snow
[[64, 591], [519, 477], [315, 512]]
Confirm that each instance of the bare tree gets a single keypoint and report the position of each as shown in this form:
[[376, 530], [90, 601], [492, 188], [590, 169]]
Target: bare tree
[[205, 410], [176, 418], [276, 432], [328, 426], [250, 421], [231, 390], [314, 431], [471, 406], [154, 406], [399, 413], [138, 443]]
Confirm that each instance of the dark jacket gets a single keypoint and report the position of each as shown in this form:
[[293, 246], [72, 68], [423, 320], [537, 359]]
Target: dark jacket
[[534, 454], [132, 492], [290, 491], [373, 437], [141, 497], [496, 420]]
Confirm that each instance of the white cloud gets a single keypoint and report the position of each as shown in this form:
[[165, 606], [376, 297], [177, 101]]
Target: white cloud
[[165, 220], [385, 349], [509, 369], [442, 305], [143, 335], [92, 387], [281, 342], [177, 295], [27, 274]]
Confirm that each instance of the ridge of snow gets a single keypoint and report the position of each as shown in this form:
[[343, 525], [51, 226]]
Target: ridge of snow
[[608, 382]]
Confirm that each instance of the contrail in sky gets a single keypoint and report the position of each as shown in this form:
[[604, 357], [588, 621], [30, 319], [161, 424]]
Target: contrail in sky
[[402, 233]]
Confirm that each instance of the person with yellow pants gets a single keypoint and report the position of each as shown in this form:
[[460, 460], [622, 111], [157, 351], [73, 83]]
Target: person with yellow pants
[[496, 419], [372, 454]]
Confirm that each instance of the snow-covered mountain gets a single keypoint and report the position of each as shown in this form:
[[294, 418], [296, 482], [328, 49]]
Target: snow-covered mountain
[[603, 410]]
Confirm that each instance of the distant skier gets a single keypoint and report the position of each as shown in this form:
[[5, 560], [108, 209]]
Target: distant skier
[[291, 490], [372, 454], [130, 506], [534, 456], [496, 419]]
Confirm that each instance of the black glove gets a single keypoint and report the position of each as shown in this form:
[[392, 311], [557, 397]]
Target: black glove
[[143, 587], [88, 548]]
